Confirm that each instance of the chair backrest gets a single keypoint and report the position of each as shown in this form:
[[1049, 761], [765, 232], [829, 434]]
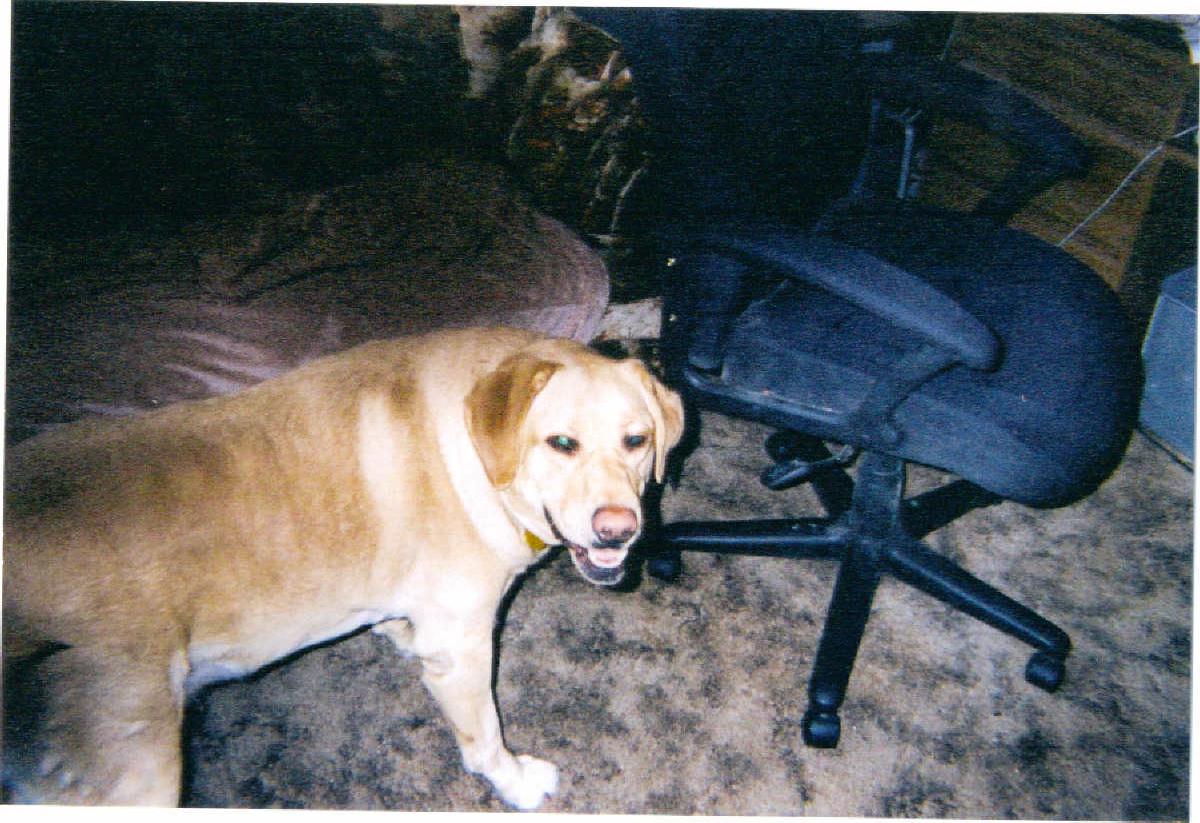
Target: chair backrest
[[768, 112], [752, 110]]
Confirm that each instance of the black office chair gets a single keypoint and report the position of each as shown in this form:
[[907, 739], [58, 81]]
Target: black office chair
[[889, 328]]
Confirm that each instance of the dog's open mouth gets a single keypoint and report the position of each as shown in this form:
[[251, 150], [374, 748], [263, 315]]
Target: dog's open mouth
[[601, 565]]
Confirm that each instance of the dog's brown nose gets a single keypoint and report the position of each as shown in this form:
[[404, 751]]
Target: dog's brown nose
[[614, 524]]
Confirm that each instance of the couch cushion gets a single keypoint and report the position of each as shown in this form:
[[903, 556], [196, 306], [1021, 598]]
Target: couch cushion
[[233, 302]]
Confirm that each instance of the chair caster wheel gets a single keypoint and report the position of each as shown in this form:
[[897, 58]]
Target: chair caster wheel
[[1045, 671], [665, 567], [821, 730], [783, 445]]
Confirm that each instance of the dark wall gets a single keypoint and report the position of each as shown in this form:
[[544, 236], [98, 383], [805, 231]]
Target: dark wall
[[135, 113]]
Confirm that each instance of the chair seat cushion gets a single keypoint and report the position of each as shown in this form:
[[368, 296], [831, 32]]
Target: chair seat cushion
[[1047, 426]]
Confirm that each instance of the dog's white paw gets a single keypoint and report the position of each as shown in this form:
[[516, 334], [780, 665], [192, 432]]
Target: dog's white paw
[[400, 631], [529, 783]]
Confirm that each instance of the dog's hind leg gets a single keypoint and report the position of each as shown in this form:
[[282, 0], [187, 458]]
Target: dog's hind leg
[[97, 727], [457, 669]]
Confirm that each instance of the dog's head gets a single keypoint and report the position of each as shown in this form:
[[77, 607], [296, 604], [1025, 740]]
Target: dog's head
[[570, 439]]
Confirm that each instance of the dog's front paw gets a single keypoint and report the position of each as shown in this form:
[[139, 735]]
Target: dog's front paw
[[398, 630], [527, 783]]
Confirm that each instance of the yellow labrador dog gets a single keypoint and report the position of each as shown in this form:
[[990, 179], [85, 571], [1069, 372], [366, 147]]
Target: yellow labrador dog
[[401, 484]]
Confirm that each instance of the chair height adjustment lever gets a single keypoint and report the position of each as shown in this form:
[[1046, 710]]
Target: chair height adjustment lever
[[791, 471]]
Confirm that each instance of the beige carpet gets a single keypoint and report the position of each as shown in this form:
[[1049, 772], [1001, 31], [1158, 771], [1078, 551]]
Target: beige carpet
[[686, 698]]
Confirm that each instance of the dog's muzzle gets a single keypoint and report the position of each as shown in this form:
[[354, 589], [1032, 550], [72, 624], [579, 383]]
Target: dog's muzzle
[[602, 563]]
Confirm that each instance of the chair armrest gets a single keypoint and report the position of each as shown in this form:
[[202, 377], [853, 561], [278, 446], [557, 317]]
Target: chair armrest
[[882, 289], [1048, 150]]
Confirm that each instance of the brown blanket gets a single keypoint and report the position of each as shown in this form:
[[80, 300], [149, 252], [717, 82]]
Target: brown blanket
[[233, 302]]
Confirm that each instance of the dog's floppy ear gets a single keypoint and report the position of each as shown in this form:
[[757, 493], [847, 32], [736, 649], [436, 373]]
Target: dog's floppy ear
[[666, 410], [497, 406]]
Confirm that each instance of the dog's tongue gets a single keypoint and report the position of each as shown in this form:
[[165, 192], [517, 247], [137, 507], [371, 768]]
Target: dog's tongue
[[605, 558]]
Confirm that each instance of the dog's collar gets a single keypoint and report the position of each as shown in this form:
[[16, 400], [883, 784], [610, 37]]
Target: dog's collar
[[535, 543]]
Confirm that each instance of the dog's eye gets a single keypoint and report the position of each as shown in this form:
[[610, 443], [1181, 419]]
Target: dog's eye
[[562, 443], [634, 441]]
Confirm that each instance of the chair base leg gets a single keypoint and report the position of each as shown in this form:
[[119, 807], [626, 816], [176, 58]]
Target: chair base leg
[[930, 511], [833, 486], [877, 535], [806, 537], [849, 610], [933, 574]]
